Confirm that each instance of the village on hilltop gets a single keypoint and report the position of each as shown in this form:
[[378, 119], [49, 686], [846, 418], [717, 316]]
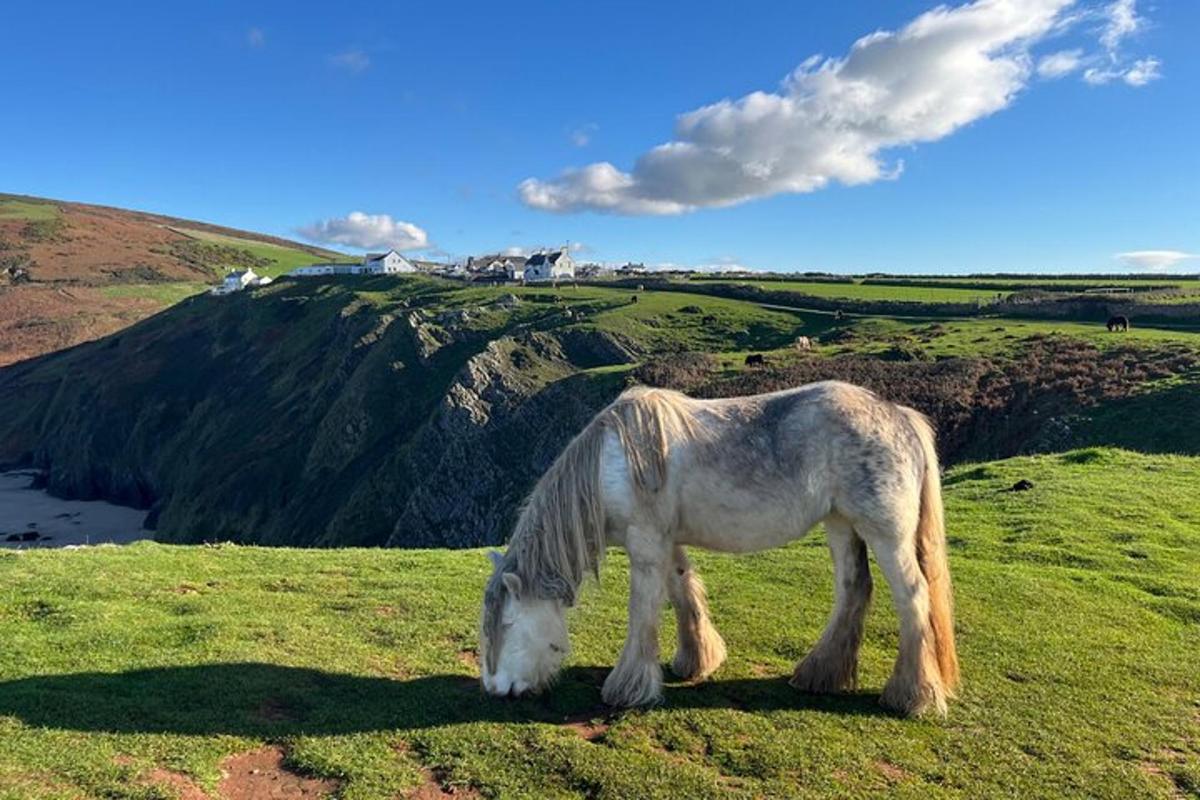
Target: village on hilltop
[[543, 266]]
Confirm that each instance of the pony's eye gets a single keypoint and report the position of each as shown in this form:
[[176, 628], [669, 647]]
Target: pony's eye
[[556, 648]]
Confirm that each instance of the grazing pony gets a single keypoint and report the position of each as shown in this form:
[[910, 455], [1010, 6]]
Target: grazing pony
[[1118, 323], [657, 470]]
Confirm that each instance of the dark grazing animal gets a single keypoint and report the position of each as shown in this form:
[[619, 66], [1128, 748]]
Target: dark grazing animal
[[756, 360], [1118, 323]]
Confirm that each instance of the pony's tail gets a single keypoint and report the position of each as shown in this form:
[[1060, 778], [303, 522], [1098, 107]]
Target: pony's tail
[[931, 555]]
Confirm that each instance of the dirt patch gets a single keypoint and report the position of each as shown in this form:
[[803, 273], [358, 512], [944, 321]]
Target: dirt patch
[[1163, 778], [588, 727], [893, 773], [469, 657], [261, 775]]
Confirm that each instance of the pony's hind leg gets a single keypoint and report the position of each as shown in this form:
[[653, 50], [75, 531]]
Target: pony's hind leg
[[916, 682], [701, 649], [637, 678], [832, 665]]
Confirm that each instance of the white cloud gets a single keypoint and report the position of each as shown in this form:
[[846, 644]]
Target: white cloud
[[255, 37], [1056, 65], [367, 231], [1137, 74], [1155, 260], [833, 120], [1121, 21], [582, 136], [352, 60], [1142, 72]]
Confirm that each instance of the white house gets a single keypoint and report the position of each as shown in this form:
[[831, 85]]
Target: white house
[[389, 263], [554, 266], [237, 281]]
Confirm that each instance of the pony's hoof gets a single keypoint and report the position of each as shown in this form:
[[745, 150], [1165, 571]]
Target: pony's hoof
[[630, 686], [819, 674], [913, 699], [698, 661]]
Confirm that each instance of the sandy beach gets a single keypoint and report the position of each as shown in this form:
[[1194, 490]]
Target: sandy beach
[[32, 518]]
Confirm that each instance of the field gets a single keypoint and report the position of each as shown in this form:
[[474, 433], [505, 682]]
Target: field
[[11, 209], [138, 672], [971, 290], [861, 291], [279, 259]]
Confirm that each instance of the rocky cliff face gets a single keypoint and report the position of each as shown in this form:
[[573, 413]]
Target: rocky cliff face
[[308, 418]]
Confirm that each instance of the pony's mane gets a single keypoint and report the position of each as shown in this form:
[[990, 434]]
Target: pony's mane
[[560, 534]]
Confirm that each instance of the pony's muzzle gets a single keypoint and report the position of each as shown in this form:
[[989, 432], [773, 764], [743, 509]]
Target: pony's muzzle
[[500, 686]]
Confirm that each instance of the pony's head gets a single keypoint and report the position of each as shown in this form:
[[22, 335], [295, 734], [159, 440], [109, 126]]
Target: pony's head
[[523, 637]]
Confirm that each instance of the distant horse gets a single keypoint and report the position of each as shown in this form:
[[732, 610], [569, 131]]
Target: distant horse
[[657, 470], [756, 360], [1118, 323]]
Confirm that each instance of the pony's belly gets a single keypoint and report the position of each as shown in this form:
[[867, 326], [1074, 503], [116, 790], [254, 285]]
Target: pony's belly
[[743, 533]]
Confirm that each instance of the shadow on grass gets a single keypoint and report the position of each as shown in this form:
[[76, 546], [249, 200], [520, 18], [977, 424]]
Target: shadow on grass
[[262, 700]]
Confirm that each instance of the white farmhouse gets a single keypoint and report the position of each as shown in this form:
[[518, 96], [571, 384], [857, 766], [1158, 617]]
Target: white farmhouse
[[237, 281], [389, 263], [554, 266]]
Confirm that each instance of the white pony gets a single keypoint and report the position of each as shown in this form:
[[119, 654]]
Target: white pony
[[657, 470]]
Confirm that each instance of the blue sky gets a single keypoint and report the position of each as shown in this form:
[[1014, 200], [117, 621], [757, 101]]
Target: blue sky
[[277, 116]]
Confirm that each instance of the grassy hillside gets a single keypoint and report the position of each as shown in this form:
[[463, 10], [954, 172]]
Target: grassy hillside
[[85, 271], [418, 412], [139, 672]]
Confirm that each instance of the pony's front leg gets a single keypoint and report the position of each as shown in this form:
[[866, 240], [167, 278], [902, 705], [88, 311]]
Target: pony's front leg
[[701, 649], [637, 678]]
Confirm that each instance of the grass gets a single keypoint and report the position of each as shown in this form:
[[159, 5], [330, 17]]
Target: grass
[[1078, 614], [167, 294], [859, 291], [283, 259], [29, 211]]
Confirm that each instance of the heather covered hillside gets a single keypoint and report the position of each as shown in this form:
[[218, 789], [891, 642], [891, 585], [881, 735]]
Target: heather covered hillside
[[73, 272]]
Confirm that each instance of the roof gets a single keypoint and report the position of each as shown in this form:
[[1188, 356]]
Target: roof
[[537, 259], [377, 256]]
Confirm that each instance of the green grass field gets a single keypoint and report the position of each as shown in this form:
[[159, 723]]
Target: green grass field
[[1078, 617], [283, 259], [942, 290], [165, 293], [28, 211], [860, 291]]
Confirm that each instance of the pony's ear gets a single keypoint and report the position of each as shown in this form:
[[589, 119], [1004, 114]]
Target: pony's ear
[[512, 582], [496, 557]]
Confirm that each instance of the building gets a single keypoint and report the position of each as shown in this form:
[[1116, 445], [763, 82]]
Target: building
[[389, 263], [551, 266], [497, 264], [237, 281]]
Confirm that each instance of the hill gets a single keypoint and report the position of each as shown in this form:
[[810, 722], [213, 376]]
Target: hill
[[418, 412], [70, 272], [202, 672]]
